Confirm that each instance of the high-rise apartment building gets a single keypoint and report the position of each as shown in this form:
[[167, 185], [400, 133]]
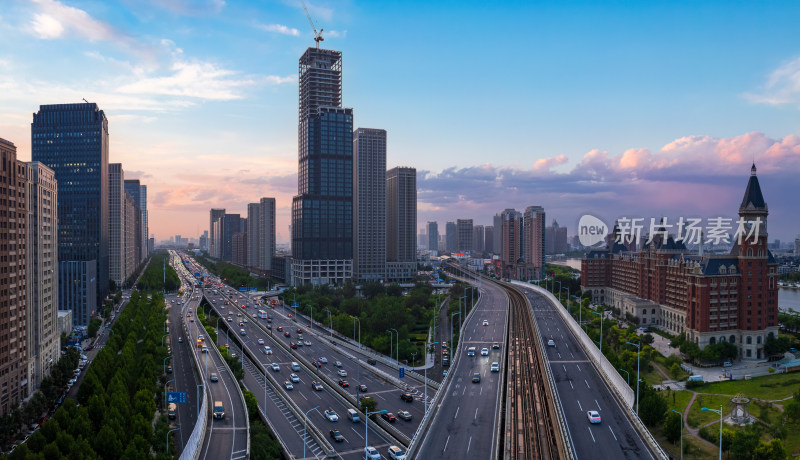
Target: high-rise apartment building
[[116, 223], [145, 229], [401, 223], [42, 246], [231, 224], [238, 248], [216, 229], [512, 241], [555, 239], [497, 242], [533, 242], [322, 210], [261, 234], [139, 194], [797, 246], [464, 235], [488, 240], [369, 204], [451, 237], [132, 247], [72, 140], [14, 325], [204, 241], [433, 237], [478, 236]]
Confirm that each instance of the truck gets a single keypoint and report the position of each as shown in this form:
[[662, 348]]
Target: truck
[[219, 411]]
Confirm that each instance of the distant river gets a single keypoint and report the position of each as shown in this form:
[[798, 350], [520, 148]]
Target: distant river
[[787, 298]]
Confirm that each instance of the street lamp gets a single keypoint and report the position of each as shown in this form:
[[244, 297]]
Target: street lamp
[[390, 342], [165, 391], [305, 426], [397, 346], [601, 328], [638, 353], [226, 337], [461, 318], [559, 289], [451, 328], [366, 426], [427, 347], [629, 375], [359, 332], [720, 427], [330, 319], [168, 432], [681, 416], [162, 339], [413, 360]]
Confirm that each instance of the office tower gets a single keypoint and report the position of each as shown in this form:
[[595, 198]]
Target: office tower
[[116, 223], [464, 235], [322, 210], [422, 239], [797, 246], [14, 321], [477, 238], [401, 223], [204, 241], [488, 241], [369, 204], [145, 229], [239, 248], [533, 242], [138, 193], [433, 237], [72, 140], [42, 244], [451, 237], [132, 247], [555, 239], [497, 242], [512, 241], [216, 228], [261, 234], [77, 283], [231, 223]]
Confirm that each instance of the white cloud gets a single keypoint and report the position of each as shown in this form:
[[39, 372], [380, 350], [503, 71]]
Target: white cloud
[[336, 33], [276, 80], [46, 26], [196, 79], [782, 86], [280, 29], [55, 18]]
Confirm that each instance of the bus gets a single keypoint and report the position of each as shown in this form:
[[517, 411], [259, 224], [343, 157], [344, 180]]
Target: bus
[[262, 314]]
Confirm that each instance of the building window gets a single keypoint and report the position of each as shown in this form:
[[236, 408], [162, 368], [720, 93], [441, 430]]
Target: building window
[[758, 340], [732, 339], [712, 341], [749, 353]]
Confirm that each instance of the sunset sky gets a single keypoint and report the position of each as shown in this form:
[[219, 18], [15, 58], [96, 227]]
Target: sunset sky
[[612, 108]]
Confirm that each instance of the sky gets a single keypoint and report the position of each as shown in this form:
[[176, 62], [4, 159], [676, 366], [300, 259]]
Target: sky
[[619, 109]]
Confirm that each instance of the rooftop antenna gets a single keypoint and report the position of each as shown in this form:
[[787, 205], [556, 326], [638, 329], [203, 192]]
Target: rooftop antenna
[[84, 100], [317, 35]]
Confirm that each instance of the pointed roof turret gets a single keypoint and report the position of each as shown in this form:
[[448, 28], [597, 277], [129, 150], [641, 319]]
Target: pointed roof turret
[[753, 198]]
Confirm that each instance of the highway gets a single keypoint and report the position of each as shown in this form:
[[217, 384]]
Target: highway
[[465, 424], [581, 389]]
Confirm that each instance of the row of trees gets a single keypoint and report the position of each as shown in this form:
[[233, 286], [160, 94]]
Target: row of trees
[[159, 275], [231, 274], [115, 419]]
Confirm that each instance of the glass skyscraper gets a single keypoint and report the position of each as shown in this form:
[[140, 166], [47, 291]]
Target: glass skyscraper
[[72, 140]]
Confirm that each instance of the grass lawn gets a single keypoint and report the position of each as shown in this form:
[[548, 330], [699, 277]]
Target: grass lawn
[[769, 387], [792, 441], [698, 417], [677, 400]]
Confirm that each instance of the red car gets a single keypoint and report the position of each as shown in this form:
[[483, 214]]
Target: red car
[[344, 383], [299, 330], [389, 417], [293, 345], [280, 328], [286, 333]]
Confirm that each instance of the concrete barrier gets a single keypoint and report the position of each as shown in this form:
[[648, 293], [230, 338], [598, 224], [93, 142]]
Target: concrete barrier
[[192, 449]]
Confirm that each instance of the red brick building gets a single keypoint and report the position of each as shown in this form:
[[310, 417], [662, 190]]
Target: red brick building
[[712, 298]]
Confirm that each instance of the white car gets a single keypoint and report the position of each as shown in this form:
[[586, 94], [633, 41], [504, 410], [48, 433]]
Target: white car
[[276, 367], [294, 378], [338, 364], [550, 343], [323, 360], [245, 320], [342, 373], [484, 352], [331, 415], [594, 416], [307, 343], [267, 350], [495, 367], [396, 453], [261, 341], [372, 453], [485, 322]]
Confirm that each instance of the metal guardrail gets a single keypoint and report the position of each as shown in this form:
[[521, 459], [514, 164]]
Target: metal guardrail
[[192, 448]]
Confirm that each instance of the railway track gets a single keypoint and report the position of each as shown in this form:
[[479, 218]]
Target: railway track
[[530, 424]]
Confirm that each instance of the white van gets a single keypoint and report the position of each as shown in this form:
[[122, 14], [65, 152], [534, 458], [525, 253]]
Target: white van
[[353, 415], [471, 351], [295, 366]]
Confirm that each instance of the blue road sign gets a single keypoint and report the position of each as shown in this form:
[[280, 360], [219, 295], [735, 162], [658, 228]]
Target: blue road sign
[[197, 275], [402, 372], [295, 304], [242, 288], [253, 288], [176, 397]]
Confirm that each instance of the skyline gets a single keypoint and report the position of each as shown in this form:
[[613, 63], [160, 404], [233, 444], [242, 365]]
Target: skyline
[[659, 110]]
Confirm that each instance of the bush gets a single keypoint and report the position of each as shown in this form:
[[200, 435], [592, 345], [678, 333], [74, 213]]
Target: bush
[[693, 384]]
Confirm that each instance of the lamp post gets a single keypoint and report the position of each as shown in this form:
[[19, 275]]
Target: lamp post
[[427, 347], [461, 318], [720, 427], [681, 416], [197, 395], [559, 289], [638, 353], [165, 391], [162, 339], [397, 346], [165, 364], [311, 318], [168, 432], [226, 337], [359, 332], [305, 427], [366, 426], [390, 342], [601, 329], [629, 375], [330, 320], [413, 360], [451, 328]]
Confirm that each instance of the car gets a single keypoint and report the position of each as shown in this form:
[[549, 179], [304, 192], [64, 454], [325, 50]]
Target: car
[[338, 364], [280, 328], [276, 367], [594, 416], [337, 436], [316, 386], [485, 322], [239, 315], [241, 324], [269, 326], [230, 320], [396, 453], [299, 343], [300, 336], [495, 346], [293, 345], [495, 367], [389, 417], [362, 388], [169, 370], [484, 352], [214, 377], [323, 360], [71, 382], [299, 330], [267, 350], [261, 341], [344, 383], [201, 337], [180, 339], [372, 361], [342, 373], [372, 453], [307, 343], [294, 378], [288, 385], [290, 315], [551, 343], [331, 415], [407, 397], [245, 320], [404, 414], [286, 334], [444, 373], [476, 378]]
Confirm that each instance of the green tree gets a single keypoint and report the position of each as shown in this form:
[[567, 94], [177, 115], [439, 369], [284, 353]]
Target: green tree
[[652, 408], [772, 450], [673, 427], [252, 405], [94, 325], [648, 339], [368, 404]]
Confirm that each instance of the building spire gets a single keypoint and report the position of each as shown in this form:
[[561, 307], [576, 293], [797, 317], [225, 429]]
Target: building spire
[[753, 169]]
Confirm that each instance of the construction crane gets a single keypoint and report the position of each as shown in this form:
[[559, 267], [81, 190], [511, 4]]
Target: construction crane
[[317, 35]]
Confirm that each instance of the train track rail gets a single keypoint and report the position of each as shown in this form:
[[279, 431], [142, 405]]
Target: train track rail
[[530, 424]]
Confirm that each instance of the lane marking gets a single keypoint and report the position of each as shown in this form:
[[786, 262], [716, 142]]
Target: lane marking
[[612, 432], [590, 433]]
